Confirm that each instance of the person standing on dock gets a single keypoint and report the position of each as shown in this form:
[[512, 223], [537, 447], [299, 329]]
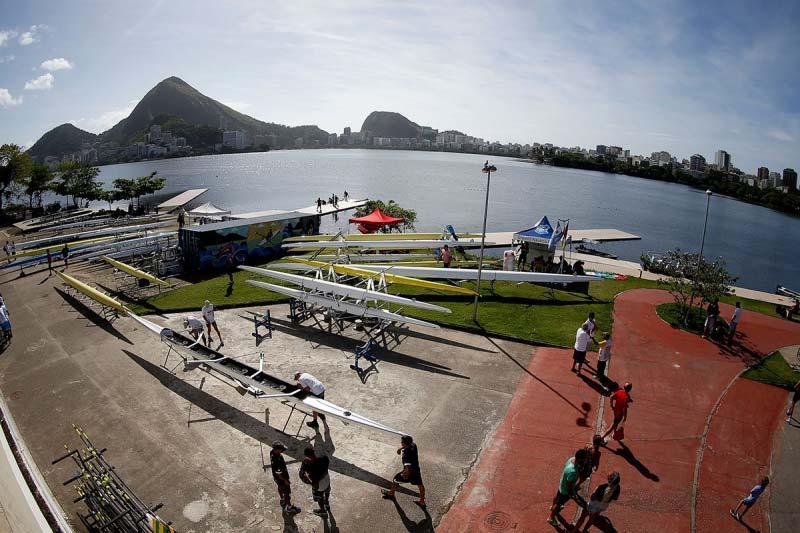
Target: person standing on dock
[[346, 196], [281, 476], [737, 315], [309, 383], [319, 204], [410, 474], [208, 316]]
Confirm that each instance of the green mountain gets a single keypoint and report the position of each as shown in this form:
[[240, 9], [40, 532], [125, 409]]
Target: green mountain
[[184, 104], [65, 138], [390, 124]]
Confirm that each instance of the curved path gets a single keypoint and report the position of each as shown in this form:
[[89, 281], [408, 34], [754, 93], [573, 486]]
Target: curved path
[[697, 437]]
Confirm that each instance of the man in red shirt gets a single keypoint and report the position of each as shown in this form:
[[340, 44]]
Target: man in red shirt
[[619, 404]]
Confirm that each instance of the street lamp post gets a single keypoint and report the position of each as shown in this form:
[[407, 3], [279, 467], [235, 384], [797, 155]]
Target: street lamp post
[[700, 256], [488, 169]]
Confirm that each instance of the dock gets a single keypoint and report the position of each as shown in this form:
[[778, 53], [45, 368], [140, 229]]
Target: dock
[[35, 224], [504, 238], [327, 209], [180, 200]]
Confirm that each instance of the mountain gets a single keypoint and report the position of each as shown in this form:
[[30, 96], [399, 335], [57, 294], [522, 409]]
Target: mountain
[[389, 124], [184, 104], [61, 139]]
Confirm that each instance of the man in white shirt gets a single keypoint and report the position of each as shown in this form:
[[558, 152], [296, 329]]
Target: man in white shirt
[[208, 315], [737, 315], [582, 340], [195, 328], [592, 324], [309, 383]]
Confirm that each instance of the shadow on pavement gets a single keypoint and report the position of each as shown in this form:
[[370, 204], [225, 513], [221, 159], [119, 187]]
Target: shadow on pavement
[[627, 454], [92, 316], [423, 526], [251, 426]]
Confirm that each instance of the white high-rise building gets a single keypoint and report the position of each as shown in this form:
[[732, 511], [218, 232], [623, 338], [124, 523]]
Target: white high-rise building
[[723, 160]]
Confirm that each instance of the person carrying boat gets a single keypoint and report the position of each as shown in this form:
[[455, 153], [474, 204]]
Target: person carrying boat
[[310, 384], [195, 328]]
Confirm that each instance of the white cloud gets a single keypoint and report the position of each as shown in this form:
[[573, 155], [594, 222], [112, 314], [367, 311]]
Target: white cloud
[[6, 100], [6, 35], [106, 120], [6, 59], [32, 35], [42, 83], [57, 63], [780, 135]]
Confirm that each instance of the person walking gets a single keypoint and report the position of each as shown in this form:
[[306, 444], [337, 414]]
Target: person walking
[[712, 312], [314, 471], [319, 204], [447, 256], [13, 248], [748, 501], [310, 384], [735, 318], [208, 316], [795, 398], [582, 340], [619, 405], [346, 196], [5, 321], [567, 484], [65, 256], [599, 501], [604, 357], [49, 263], [181, 218], [195, 329], [411, 474], [281, 476]]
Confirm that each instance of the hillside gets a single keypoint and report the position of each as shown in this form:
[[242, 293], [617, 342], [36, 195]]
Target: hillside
[[390, 124], [175, 98], [61, 139]]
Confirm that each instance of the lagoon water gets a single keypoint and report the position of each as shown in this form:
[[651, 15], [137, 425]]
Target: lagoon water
[[759, 245]]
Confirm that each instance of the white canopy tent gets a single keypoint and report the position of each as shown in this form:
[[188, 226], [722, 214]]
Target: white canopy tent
[[207, 213]]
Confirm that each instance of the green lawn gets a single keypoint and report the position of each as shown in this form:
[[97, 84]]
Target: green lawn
[[672, 314], [773, 370], [532, 313]]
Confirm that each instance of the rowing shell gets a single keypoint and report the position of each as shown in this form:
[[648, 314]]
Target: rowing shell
[[338, 305], [256, 381], [91, 292], [472, 274], [383, 245], [341, 289], [135, 272], [349, 270], [52, 241]]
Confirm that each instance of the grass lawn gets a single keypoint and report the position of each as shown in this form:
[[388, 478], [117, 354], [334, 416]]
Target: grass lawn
[[773, 370], [672, 314], [531, 313]]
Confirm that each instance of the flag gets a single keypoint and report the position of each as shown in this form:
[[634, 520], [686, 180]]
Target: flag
[[566, 229], [555, 238]]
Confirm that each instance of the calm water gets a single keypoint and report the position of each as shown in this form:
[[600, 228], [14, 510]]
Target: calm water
[[760, 245]]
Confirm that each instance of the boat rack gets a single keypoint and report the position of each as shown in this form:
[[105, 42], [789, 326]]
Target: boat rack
[[112, 504], [109, 313]]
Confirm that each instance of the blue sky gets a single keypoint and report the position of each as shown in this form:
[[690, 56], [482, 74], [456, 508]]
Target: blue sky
[[687, 77]]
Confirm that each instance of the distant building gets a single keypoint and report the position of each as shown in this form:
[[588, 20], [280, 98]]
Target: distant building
[[723, 160], [333, 139], [697, 162], [601, 149], [614, 150], [763, 173], [155, 132], [790, 179], [775, 180], [347, 131], [236, 139], [660, 159]]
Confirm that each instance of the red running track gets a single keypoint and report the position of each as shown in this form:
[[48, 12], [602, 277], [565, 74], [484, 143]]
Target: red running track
[[680, 383]]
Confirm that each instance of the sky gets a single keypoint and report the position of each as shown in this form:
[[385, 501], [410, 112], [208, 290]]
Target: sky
[[683, 76]]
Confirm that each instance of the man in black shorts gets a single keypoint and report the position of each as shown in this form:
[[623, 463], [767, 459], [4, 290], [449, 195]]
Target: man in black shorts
[[281, 476], [411, 473]]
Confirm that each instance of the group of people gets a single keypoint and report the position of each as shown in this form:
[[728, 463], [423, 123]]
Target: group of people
[[712, 324], [196, 328], [584, 337], [517, 259], [332, 200]]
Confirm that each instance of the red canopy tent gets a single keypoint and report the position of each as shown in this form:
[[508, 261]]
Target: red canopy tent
[[375, 221]]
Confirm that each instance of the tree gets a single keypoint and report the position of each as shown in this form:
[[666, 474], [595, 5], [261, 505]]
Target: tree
[[111, 196], [38, 182], [15, 166], [125, 188], [135, 188], [688, 279], [78, 181], [392, 209]]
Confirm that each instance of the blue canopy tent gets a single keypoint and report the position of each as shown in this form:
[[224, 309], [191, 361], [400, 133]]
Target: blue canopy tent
[[540, 233]]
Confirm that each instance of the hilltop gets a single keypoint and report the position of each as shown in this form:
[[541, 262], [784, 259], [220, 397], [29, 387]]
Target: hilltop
[[61, 139], [390, 124]]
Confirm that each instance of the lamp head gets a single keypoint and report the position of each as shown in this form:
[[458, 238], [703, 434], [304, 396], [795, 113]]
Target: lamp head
[[708, 192]]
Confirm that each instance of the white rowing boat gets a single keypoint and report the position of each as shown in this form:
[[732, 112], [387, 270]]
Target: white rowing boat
[[472, 274], [340, 289], [382, 245]]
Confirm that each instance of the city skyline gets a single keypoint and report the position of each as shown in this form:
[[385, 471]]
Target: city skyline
[[679, 77]]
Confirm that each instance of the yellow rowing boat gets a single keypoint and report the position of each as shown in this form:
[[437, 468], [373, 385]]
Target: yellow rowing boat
[[91, 292], [135, 272]]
